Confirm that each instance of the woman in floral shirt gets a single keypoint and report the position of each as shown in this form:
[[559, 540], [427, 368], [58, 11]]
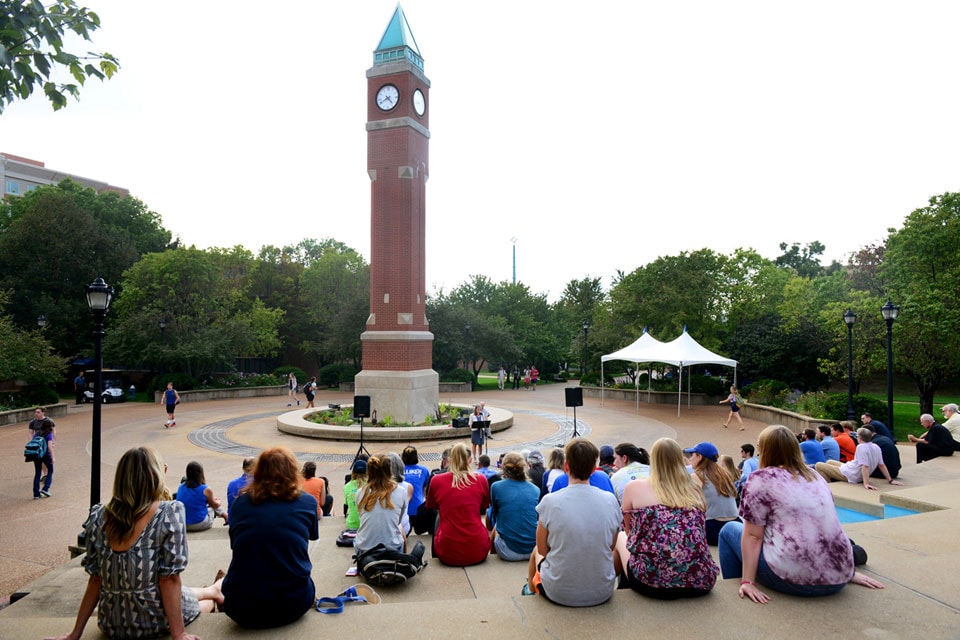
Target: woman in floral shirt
[[664, 544]]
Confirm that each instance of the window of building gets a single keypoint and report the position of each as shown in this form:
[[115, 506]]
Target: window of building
[[13, 187]]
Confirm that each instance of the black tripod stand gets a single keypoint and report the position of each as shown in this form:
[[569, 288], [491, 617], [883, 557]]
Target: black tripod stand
[[362, 450], [575, 434]]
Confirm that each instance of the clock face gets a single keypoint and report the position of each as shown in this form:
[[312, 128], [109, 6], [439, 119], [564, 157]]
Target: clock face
[[387, 97], [419, 104]]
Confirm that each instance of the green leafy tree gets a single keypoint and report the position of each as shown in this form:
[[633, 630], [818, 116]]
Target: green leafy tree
[[805, 261], [922, 275], [26, 355], [32, 50], [60, 238], [580, 302]]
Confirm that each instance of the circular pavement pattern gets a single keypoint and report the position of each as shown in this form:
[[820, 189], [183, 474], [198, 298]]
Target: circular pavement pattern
[[214, 437]]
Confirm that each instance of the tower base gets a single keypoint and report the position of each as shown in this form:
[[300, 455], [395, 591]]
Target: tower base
[[405, 396]]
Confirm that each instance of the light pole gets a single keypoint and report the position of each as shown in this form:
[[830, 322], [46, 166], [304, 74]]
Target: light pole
[[163, 325], [583, 367], [466, 355], [99, 294], [890, 312], [514, 241], [41, 321], [850, 317]]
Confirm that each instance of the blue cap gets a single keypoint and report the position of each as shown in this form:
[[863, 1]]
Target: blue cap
[[706, 449], [360, 466]]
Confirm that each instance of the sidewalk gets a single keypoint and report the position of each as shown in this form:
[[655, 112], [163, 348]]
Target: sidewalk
[[911, 555]]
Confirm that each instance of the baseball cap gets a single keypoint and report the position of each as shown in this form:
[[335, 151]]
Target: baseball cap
[[706, 449]]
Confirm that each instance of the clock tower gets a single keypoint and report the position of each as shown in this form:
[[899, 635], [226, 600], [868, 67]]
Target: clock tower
[[398, 370]]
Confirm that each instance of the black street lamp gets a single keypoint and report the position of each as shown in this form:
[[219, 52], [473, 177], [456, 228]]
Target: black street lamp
[[850, 317], [99, 294], [41, 321], [890, 312], [466, 355], [163, 325], [583, 366]]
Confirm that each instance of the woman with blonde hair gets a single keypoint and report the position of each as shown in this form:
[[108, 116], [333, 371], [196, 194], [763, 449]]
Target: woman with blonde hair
[[268, 583], [136, 549], [663, 546], [734, 400], [459, 497], [717, 485], [790, 539], [397, 468], [554, 470], [381, 503]]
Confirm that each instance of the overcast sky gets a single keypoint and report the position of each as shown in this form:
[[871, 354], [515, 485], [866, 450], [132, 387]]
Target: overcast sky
[[599, 135]]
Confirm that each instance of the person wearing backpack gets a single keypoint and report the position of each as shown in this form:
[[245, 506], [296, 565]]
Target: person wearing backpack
[[43, 427]]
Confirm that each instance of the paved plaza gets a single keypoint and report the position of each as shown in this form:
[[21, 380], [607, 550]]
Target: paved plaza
[[914, 556]]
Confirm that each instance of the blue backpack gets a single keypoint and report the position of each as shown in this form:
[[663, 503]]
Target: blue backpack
[[36, 449]]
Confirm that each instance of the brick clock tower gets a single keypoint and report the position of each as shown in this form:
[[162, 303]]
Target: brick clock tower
[[398, 370]]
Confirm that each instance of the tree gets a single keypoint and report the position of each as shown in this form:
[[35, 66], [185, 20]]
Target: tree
[[805, 262], [204, 297], [580, 301], [26, 355], [60, 238], [32, 50], [922, 275]]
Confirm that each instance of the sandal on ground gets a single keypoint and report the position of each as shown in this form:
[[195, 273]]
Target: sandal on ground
[[352, 594]]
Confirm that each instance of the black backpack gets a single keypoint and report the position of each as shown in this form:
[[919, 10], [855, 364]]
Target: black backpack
[[36, 449], [384, 567]]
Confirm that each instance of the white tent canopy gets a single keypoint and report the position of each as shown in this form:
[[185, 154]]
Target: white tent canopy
[[682, 352]]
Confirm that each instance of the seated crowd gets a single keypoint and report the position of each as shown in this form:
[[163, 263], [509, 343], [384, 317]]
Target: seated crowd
[[591, 521]]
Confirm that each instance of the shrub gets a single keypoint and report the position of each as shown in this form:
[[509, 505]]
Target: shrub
[[34, 396], [813, 404], [592, 379], [284, 371], [772, 393], [181, 382], [709, 385], [457, 375], [332, 375], [835, 407], [239, 379]]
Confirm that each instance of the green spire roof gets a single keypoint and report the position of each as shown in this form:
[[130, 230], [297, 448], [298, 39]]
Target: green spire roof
[[398, 42]]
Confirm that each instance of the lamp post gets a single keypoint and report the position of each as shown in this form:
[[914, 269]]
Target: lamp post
[[890, 312], [514, 241], [163, 325], [466, 355], [99, 294], [583, 366], [850, 317], [41, 321]]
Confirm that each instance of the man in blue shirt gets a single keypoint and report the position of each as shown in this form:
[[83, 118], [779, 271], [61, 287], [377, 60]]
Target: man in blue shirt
[[748, 465], [811, 449], [234, 487], [831, 450]]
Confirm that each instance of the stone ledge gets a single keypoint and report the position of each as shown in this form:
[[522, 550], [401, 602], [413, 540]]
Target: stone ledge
[[200, 395], [26, 414]]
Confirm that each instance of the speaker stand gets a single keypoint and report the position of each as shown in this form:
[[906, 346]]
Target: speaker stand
[[575, 434], [363, 450]]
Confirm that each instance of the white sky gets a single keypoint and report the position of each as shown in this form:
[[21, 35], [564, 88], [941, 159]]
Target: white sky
[[600, 135]]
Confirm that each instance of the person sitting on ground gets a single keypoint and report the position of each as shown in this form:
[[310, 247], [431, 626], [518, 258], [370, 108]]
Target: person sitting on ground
[[513, 511], [136, 548], [718, 490], [790, 539], [936, 442], [554, 471], [200, 504], [811, 449], [952, 423], [850, 428], [382, 504], [598, 479], [397, 470], [575, 563], [606, 460], [878, 427], [848, 448], [831, 450], [422, 519], [268, 583], [726, 463], [483, 468], [867, 458], [314, 486], [663, 546], [235, 485], [631, 463], [358, 477], [748, 464], [535, 468], [890, 453], [444, 463], [460, 497]]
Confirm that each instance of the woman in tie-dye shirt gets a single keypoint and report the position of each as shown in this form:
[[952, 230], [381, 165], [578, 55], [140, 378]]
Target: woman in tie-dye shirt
[[790, 539]]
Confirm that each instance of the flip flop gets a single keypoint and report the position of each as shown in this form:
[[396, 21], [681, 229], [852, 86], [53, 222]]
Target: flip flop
[[351, 594]]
